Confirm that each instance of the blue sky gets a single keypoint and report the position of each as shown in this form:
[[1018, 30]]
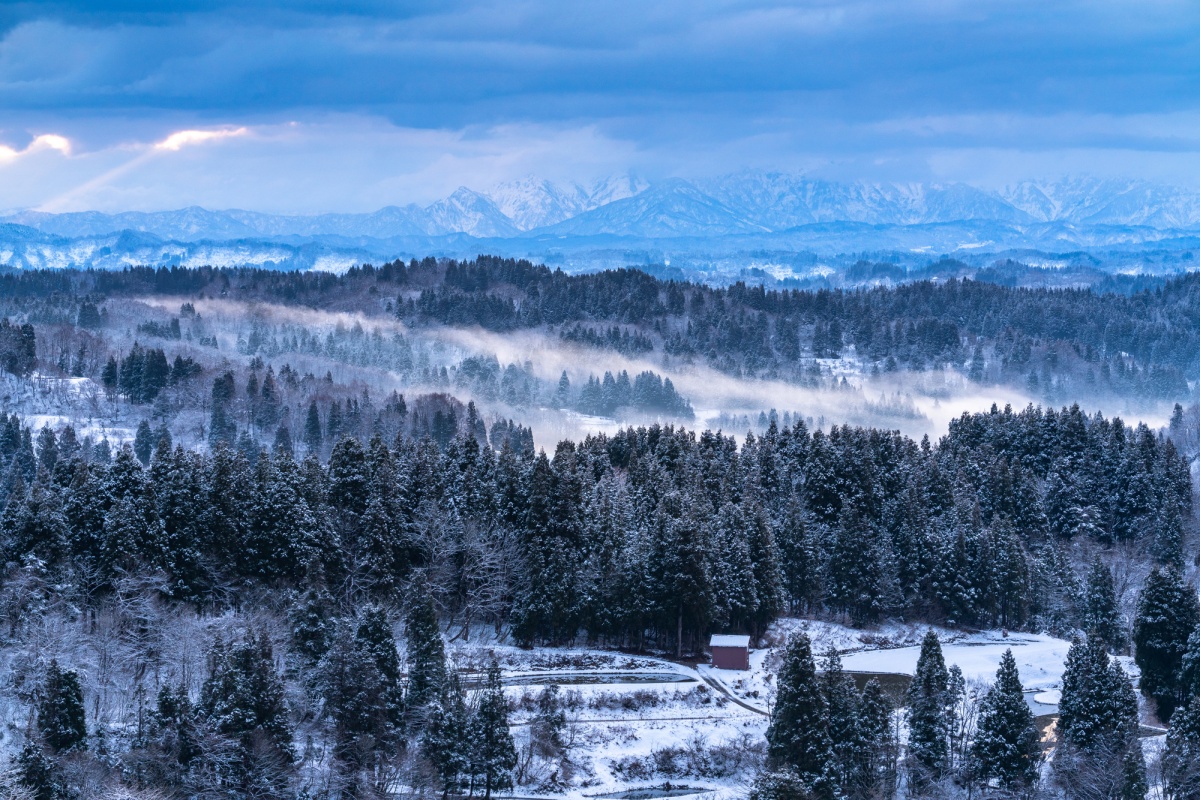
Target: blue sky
[[316, 106]]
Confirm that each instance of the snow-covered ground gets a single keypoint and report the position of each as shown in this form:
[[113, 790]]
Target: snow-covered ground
[[639, 721], [1040, 658], [894, 648], [634, 721]]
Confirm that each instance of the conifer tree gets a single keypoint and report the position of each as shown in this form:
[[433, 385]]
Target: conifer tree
[[800, 557], [376, 546], [733, 582], [928, 723], [1181, 762], [143, 442], [547, 604], [768, 576], [426, 653], [1190, 669], [493, 754], [841, 704], [798, 736], [853, 581], [546, 729], [357, 699], [1100, 606], [283, 442], [222, 429], [1006, 742], [279, 525], [47, 448], [1167, 613], [1099, 754], [243, 696], [562, 392], [375, 636], [174, 733], [312, 626], [312, 428], [875, 768], [444, 741], [60, 709], [39, 775]]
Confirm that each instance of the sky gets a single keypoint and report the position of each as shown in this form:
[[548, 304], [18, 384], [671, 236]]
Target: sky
[[317, 106]]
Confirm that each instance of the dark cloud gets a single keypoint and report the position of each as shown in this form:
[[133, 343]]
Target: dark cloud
[[457, 63], [695, 85]]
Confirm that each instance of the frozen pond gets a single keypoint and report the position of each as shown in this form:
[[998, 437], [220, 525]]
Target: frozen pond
[[895, 684]]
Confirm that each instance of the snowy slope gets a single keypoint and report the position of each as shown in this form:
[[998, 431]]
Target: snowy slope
[[672, 208]]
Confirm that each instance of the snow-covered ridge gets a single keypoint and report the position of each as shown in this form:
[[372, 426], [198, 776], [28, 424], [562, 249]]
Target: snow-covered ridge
[[625, 220], [624, 205]]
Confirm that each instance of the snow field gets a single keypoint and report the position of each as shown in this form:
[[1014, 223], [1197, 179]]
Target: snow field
[[633, 721]]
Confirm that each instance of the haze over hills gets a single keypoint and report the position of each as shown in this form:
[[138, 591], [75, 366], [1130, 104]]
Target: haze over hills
[[625, 219]]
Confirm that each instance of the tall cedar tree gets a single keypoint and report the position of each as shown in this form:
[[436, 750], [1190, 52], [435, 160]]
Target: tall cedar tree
[[798, 736], [1100, 606], [875, 770], [928, 721], [841, 704], [1190, 671], [375, 637], [493, 754], [444, 741], [39, 775], [244, 695], [1006, 746], [425, 650], [312, 428], [360, 699], [1167, 613], [1099, 754]]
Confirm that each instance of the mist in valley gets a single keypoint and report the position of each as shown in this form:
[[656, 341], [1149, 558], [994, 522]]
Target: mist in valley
[[916, 403]]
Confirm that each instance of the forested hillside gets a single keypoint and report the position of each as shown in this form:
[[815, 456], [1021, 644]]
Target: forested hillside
[[636, 539], [1059, 344]]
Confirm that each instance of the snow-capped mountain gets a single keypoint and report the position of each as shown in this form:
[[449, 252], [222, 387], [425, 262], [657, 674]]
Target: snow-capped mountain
[[777, 210], [626, 205], [779, 201], [1106, 202], [669, 209], [536, 203], [469, 212]]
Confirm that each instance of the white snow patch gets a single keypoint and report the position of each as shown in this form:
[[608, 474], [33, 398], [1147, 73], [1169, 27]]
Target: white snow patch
[[1050, 697]]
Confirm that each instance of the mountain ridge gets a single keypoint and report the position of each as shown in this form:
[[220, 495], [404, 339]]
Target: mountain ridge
[[625, 219], [747, 202]]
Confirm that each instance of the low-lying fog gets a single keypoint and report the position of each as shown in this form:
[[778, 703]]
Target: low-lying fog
[[915, 403]]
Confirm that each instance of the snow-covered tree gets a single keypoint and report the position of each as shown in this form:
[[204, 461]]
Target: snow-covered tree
[[1167, 614], [493, 754], [1006, 747], [426, 652], [928, 718], [60, 714], [798, 736]]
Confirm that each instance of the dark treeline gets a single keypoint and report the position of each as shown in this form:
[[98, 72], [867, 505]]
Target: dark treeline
[[1143, 344], [652, 537]]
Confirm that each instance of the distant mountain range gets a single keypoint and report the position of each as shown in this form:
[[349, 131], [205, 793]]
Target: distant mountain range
[[540, 218]]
